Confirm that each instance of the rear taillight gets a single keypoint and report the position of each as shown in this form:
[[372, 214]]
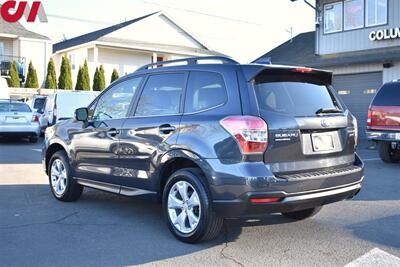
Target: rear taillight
[[250, 132], [369, 119], [35, 118]]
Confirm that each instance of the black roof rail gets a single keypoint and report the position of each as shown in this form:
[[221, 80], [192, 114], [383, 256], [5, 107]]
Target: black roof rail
[[189, 61]]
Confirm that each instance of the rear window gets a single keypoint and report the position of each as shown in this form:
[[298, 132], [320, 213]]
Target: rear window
[[14, 107], [388, 95], [39, 103], [293, 96]]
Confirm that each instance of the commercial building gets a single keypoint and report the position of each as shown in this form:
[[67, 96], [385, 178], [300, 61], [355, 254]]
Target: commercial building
[[359, 40]]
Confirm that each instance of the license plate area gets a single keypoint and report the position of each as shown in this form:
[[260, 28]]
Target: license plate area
[[15, 119], [322, 142]]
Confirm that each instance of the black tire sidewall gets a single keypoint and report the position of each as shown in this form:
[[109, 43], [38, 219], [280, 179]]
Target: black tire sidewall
[[61, 155], [195, 181]]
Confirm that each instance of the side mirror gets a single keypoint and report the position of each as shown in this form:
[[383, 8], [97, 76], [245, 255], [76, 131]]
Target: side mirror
[[82, 114]]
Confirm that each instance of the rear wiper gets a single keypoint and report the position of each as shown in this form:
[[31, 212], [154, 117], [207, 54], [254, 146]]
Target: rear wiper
[[328, 110]]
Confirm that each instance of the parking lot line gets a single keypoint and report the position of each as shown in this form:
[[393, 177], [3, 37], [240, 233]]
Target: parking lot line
[[376, 258]]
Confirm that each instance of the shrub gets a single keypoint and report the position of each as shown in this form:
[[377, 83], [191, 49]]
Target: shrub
[[65, 80], [31, 78], [13, 81], [114, 76], [51, 76]]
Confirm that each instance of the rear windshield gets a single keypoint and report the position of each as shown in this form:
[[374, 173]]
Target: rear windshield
[[388, 95], [293, 96], [39, 103], [14, 107]]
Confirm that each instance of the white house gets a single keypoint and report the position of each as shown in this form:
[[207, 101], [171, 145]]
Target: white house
[[129, 45], [20, 45]]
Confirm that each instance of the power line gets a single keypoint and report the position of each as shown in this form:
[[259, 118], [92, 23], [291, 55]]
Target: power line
[[201, 13], [79, 19]]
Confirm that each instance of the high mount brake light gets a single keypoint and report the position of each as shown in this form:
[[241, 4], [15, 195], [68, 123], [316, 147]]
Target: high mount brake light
[[303, 70], [251, 133]]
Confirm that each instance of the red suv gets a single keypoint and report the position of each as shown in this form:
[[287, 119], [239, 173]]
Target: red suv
[[384, 122]]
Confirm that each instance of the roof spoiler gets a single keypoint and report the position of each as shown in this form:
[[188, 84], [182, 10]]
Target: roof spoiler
[[252, 71]]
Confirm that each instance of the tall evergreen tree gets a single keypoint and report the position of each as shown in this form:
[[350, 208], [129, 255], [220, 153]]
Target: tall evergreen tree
[[114, 76], [51, 76], [13, 81], [79, 82], [65, 80], [85, 77], [31, 78], [96, 79], [102, 78]]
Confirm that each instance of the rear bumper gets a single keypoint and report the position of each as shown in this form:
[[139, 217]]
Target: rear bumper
[[288, 202], [386, 136], [232, 192], [20, 130]]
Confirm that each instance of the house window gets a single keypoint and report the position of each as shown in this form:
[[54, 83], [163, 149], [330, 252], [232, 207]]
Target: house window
[[376, 13], [369, 91], [72, 61], [344, 92], [333, 14], [353, 14]]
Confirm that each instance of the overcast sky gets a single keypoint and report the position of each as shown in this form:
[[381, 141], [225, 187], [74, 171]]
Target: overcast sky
[[241, 29]]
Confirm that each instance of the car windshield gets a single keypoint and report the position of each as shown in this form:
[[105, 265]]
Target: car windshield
[[14, 107]]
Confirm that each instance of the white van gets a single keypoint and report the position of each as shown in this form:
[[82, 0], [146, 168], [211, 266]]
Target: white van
[[4, 90], [62, 105]]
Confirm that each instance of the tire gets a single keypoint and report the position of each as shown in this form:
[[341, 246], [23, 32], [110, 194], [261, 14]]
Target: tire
[[302, 214], [68, 189], [208, 225], [33, 139], [388, 154]]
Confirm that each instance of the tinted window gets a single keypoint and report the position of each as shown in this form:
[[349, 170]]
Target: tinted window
[[297, 98], [162, 95], [388, 95], [205, 90], [14, 107], [114, 103], [39, 103]]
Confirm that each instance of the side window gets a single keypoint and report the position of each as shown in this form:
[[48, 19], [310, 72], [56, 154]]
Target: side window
[[114, 103], [162, 95], [205, 90]]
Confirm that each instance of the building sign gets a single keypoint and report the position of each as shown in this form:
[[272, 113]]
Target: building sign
[[13, 11], [386, 34]]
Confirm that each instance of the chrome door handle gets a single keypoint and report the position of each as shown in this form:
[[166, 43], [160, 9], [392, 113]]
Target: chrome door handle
[[166, 129]]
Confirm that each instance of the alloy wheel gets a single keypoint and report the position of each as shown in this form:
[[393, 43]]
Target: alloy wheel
[[184, 207], [58, 174]]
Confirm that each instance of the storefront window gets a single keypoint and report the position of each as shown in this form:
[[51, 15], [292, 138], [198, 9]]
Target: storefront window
[[333, 14], [353, 14], [376, 12]]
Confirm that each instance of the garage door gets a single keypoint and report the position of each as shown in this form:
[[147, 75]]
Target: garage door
[[357, 92]]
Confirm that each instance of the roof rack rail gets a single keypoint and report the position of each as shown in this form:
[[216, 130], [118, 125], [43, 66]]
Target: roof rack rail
[[189, 61]]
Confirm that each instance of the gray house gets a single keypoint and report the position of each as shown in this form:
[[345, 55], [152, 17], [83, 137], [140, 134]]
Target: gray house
[[359, 40]]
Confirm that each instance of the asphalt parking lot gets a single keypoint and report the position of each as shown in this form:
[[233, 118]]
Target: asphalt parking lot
[[102, 229]]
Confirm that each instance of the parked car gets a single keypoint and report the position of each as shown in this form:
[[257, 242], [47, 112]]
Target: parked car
[[212, 139], [17, 119], [61, 106], [4, 90], [384, 122]]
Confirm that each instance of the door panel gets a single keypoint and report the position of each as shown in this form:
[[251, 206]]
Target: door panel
[[142, 142], [96, 150], [97, 144]]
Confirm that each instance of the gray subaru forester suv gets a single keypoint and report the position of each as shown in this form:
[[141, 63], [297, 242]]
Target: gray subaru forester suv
[[211, 139]]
